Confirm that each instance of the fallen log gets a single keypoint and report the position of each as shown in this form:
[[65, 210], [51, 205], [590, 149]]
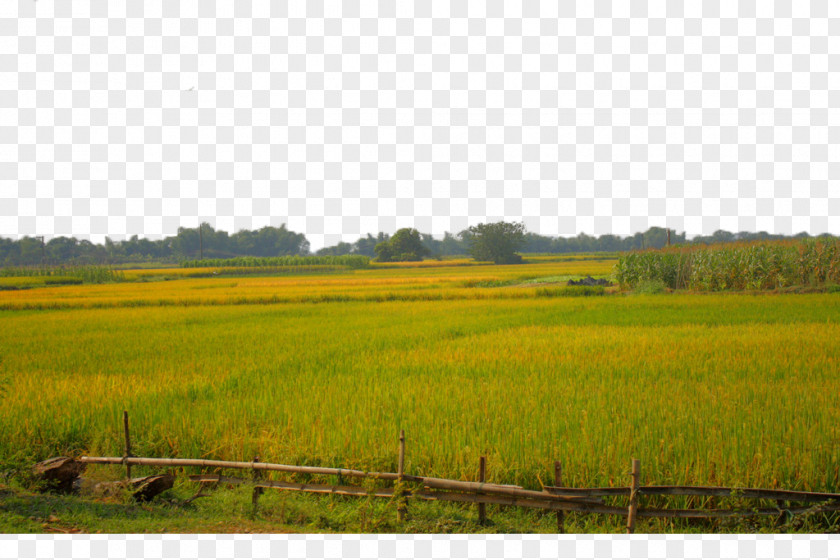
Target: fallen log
[[58, 473], [142, 489]]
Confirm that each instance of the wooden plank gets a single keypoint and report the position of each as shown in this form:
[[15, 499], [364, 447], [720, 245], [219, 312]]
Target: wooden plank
[[127, 444], [438, 483], [207, 463], [482, 477], [558, 481], [588, 492], [634, 496], [581, 507], [708, 491], [716, 513], [502, 500], [255, 495], [420, 495], [485, 488], [755, 493], [282, 485], [402, 504]]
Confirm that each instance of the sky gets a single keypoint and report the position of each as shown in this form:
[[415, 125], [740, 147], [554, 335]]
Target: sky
[[341, 119]]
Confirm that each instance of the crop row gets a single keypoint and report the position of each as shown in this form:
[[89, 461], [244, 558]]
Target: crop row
[[89, 274]]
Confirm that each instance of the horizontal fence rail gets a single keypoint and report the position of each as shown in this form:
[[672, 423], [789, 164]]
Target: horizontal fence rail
[[707, 491]]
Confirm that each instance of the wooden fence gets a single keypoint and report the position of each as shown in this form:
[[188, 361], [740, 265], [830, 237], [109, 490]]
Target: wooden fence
[[557, 497]]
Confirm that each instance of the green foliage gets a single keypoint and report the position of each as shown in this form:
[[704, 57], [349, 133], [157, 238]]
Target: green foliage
[[571, 291], [57, 275], [496, 242], [347, 261], [756, 266], [404, 246], [650, 287]]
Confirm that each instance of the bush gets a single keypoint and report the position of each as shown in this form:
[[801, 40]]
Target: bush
[[571, 291], [650, 287]]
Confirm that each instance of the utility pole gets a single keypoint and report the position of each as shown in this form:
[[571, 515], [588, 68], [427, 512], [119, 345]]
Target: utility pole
[[201, 239], [43, 248], [668, 230]]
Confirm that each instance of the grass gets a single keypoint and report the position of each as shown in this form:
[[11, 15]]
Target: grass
[[705, 389], [442, 282], [331, 384], [229, 510]]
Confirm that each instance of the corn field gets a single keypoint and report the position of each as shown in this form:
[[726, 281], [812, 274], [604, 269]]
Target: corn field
[[753, 266]]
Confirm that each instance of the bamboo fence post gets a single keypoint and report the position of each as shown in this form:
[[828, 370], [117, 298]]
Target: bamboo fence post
[[127, 445], [257, 492], [634, 496], [482, 477], [558, 481], [402, 505]]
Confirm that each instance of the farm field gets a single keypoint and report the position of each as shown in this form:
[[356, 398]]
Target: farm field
[[706, 389], [392, 281]]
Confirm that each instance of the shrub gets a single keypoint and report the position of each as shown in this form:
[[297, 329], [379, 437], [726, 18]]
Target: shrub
[[571, 291]]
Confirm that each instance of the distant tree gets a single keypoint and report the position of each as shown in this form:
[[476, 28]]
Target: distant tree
[[656, 237], [497, 242], [405, 245], [31, 251], [342, 248], [62, 249], [367, 245], [453, 245], [268, 242], [536, 243]]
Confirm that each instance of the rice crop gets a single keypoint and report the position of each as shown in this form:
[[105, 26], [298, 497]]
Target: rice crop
[[717, 389], [26, 282], [149, 274], [89, 274], [440, 283], [346, 261], [749, 266]]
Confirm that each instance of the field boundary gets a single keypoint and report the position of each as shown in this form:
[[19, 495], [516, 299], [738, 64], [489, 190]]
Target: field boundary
[[556, 497]]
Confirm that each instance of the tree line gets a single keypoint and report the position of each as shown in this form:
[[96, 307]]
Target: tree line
[[496, 242], [189, 243]]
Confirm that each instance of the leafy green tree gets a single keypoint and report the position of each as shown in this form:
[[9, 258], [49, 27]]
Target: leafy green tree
[[453, 245], [31, 250], [367, 245], [497, 242], [342, 248], [62, 249], [405, 245]]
